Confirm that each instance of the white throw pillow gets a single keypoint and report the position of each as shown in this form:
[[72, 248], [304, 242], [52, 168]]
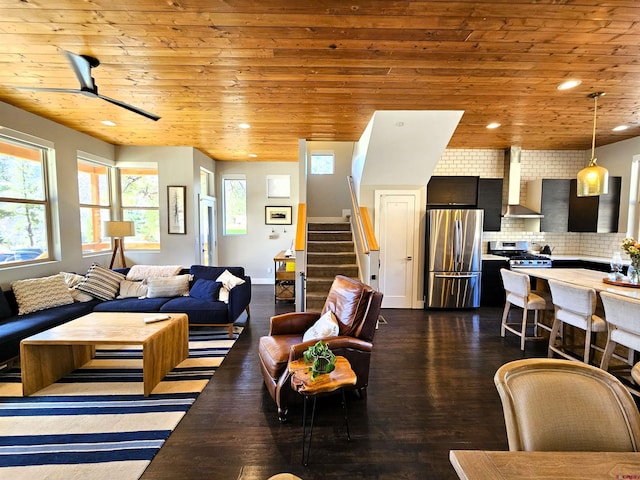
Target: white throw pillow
[[326, 326], [140, 272], [168, 286], [132, 289], [228, 280], [79, 296], [35, 294], [72, 279]]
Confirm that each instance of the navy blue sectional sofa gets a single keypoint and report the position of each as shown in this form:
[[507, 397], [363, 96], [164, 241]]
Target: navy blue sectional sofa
[[201, 311]]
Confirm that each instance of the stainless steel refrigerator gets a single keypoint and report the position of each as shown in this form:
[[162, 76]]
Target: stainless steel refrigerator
[[454, 258]]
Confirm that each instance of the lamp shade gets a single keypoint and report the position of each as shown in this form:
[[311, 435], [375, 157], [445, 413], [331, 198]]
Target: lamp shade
[[118, 229], [592, 181]]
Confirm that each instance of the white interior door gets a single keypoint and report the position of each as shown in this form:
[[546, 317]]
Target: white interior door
[[208, 237], [397, 224]]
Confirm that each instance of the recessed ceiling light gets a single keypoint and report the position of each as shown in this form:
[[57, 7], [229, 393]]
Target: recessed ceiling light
[[493, 125], [569, 84], [253, 155], [108, 123], [244, 125]]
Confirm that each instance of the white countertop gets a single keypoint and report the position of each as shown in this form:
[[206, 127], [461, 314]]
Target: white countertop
[[491, 256], [586, 258]]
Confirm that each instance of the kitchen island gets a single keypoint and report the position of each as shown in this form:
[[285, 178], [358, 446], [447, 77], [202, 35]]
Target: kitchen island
[[583, 277]]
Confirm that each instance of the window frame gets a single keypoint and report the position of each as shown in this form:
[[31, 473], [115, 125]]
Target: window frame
[[104, 242], [321, 153], [47, 162], [132, 243], [226, 213]]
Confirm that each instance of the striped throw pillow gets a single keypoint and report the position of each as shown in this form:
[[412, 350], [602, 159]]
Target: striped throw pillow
[[35, 294], [101, 282]]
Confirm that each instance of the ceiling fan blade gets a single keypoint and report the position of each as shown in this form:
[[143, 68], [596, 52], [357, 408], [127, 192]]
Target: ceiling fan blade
[[82, 66], [131, 108], [45, 89]]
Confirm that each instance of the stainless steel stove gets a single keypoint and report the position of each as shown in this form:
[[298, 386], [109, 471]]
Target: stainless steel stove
[[518, 254]]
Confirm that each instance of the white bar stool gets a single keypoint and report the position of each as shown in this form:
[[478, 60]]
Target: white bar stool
[[518, 291], [623, 317], [576, 306]]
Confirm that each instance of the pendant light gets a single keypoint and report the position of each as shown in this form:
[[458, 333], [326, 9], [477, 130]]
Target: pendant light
[[593, 180]]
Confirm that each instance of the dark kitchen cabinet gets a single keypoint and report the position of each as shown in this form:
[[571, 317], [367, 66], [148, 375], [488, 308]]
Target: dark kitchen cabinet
[[492, 289], [550, 196], [490, 200], [595, 214], [452, 192], [555, 205]]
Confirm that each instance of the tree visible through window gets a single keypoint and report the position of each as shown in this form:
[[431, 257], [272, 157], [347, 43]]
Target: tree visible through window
[[141, 204], [24, 206], [235, 206]]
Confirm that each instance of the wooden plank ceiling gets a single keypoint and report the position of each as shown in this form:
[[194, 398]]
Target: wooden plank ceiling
[[319, 69]]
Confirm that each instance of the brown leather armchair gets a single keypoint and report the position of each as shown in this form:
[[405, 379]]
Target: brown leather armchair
[[356, 307]]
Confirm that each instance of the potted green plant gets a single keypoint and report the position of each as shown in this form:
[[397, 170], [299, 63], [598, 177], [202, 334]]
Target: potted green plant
[[321, 358]]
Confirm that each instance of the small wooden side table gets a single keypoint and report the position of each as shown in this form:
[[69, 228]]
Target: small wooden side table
[[285, 277], [301, 381]]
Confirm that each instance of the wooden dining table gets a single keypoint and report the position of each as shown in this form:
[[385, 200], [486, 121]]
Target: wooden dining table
[[494, 465]]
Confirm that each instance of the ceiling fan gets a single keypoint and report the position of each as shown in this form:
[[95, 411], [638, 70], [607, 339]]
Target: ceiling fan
[[82, 65]]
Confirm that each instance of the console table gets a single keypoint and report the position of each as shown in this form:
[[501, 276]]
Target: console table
[[285, 277]]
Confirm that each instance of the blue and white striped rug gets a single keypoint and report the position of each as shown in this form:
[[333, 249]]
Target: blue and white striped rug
[[95, 423]]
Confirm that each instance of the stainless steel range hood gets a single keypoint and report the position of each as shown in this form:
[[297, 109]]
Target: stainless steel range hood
[[512, 175]]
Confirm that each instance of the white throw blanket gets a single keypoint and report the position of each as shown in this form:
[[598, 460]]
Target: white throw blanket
[[140, 272]]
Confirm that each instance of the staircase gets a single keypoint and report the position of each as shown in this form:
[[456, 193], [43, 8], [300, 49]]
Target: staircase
[[330, 252]]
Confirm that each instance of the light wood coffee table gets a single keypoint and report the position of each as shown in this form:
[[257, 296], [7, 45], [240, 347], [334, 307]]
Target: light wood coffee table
[[48, 356]]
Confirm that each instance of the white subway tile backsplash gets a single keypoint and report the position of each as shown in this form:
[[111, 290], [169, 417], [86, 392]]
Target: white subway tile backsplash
[[535, 164]]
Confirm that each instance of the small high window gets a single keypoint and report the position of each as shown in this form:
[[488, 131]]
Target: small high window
[[322, 163]]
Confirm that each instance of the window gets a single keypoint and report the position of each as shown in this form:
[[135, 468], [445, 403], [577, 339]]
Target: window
[[322, 163], [140, 201], [235, 205], [206, 183], [95, 205], [24, 204]]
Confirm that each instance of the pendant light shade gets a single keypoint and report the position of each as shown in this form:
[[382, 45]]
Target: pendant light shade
[[593, 180]]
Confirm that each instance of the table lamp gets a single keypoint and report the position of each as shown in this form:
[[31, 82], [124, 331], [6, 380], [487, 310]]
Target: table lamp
[[117, 230]]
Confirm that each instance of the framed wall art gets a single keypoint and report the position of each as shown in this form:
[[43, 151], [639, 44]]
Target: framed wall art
[[177, 200], [277, 215], [278, 186]]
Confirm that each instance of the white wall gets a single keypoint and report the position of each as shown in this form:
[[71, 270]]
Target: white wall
[[255, 251], [328, 195], [67, 144], [618, 158], [176, 166]]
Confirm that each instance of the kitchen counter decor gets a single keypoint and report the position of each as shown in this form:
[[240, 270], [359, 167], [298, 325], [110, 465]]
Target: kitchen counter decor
[[632, 248], [621, 283]]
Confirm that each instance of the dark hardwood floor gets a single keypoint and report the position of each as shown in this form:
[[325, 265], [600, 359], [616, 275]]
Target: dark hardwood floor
[[430, 390]]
